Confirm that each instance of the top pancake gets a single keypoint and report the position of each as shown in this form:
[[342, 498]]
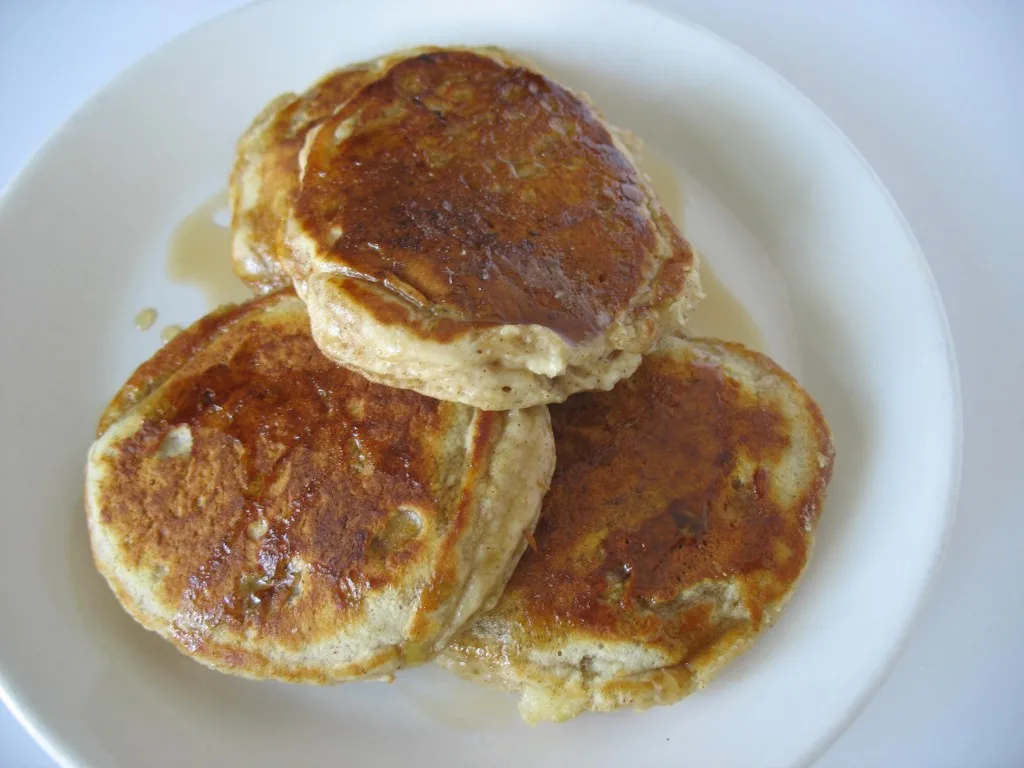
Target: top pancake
[[465, 227], [275, 515], [679, 519]]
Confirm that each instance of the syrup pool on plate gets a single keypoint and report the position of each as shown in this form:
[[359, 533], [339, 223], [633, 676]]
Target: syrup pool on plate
[[199, 254], [720, 314]]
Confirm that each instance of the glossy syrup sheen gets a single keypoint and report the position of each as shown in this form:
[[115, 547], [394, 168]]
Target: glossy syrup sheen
[[660, 485], [301, 480], [145, 318], [486, 194], [270, 152]]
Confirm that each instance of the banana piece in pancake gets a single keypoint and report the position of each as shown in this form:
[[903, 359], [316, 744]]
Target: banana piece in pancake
[[277, 516], [680, 517], [462, 226]]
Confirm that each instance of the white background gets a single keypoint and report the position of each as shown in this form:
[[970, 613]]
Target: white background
[[932, 93]]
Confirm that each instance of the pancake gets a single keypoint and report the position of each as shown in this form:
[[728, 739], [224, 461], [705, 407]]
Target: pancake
[[276, 516], [265, 175], [466, 228], [680, 517]]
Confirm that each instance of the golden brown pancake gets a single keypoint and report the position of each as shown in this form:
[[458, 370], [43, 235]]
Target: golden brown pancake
[[680, 517], [277, 516], [467, 228], [266, 174]]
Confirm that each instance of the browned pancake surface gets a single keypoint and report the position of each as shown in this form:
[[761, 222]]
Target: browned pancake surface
[[276, 148], [680, 517], [488, 195], [647, 500], [304, 486]]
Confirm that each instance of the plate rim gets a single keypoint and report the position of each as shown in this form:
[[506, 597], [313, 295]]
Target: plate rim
[[955, 471]]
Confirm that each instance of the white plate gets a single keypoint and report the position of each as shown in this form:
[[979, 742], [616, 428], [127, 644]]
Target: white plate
[[781, 204]]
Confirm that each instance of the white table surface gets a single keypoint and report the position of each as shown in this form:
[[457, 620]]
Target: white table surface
[[932, 93]]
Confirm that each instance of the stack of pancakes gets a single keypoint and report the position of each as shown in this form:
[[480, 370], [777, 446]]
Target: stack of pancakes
[[355, 471]]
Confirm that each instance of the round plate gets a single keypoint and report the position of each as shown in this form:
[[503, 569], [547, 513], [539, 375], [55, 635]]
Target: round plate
[[780, 204]]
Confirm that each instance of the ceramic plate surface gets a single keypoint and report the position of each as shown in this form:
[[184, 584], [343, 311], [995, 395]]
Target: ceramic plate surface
[[784, 210]]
